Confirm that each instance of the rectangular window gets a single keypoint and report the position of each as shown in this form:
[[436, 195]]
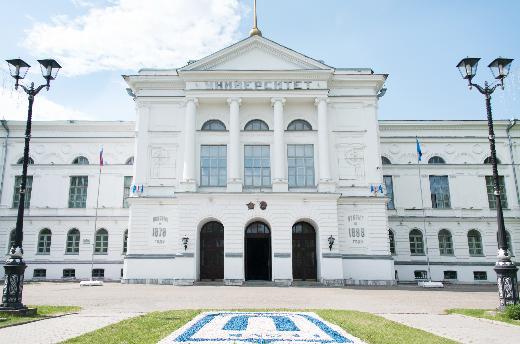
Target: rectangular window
[[389, 186], [257, 166], [480, 275], [78, 192], [450, 275], [440, 192], [491, 192], [420, 274], [39, 273], [126, 190], [69, 273], [98, 273], [28, 189], [213, 165], [300, 162]]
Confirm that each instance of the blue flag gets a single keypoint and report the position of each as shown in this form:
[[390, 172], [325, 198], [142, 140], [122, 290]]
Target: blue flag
[[419, 152]]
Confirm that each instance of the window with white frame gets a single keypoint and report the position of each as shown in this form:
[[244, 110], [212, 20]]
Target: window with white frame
[[125, 241], [98, 273], [39, 273], [445, 243], [28, 191], [101, 246], [127, 183], [44, 241], [475, 243], [416, 242], [72, 246], [490, 188], [389, 186], [420, 274], [300, 162], [450, 275], [256, 125], [78, 192], [69, 273], [440, 192], [213, 165], [80, 160], [257, 166], [480, 275]]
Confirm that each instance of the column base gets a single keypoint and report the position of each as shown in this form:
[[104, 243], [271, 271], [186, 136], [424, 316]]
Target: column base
[[507, 283], [326, 185], [188, 186], [234, 185], [280, 186]]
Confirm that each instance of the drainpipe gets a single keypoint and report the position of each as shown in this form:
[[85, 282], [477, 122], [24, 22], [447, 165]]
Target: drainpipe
[[6, 128], [512, 123]]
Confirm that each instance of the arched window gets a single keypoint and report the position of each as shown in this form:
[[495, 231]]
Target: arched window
[[257, 228], [445, 243], [125, 241], [72, 246], [11, 239], [436, 160], [44, 241], [256, 125], [385, 161], [101, 242], [299, 125], [391, 239], [475, 243], [488, 160], [20, 161], [416, 242], [130, 161], [80, 160], [213, 125]]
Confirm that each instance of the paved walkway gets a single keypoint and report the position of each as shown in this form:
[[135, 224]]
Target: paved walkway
[[420, 308]]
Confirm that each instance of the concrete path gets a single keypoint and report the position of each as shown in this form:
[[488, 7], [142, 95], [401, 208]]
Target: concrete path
[[460, 328], [113, 302]]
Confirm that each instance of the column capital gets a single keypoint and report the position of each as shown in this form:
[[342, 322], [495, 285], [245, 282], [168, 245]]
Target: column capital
[[234, 99], [318, 100], [277, 100], [191, 99]]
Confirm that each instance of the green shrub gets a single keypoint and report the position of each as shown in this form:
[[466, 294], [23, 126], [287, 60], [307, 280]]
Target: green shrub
[[513, 312]]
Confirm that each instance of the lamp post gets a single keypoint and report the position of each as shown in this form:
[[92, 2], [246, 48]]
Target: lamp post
[[505, 269], [14, 265]]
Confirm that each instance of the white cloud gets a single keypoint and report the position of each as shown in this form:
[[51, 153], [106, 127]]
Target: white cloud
[[131, 34], [13, 105]]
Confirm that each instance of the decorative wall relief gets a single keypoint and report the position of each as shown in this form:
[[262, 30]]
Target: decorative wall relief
[[163, 162], [351, 161]]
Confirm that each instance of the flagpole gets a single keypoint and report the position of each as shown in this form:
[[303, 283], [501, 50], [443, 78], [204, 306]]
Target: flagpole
[[419, 153]]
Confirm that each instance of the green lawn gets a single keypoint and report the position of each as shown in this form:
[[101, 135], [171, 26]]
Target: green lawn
[[483, 313], [152, 327], [42, 313]]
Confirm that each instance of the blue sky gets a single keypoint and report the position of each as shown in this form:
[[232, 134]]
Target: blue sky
[[418, 43]]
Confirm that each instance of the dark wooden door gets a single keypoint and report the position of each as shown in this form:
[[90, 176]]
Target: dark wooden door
[[304, 252], [258, 252], [212, 251]]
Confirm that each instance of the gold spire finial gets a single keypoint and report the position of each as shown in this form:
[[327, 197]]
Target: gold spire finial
[[254, 31]]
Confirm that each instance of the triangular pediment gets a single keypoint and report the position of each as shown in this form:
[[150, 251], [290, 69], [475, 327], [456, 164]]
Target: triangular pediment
[[256, 53]]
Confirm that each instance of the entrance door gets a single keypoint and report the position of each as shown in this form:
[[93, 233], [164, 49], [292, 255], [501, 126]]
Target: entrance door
[[304, 251], [212, 251], [258, 252]]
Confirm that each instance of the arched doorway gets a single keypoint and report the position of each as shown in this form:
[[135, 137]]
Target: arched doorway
[[258, 252], [212, 251], [304, 252]]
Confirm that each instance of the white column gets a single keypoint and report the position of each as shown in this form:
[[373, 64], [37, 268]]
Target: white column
[[234, 181], [325, 183], [141, 144], [189, 179], [279, 173]]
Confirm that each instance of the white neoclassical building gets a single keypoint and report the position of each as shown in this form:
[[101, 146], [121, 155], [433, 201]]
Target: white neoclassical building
[[259, 163]]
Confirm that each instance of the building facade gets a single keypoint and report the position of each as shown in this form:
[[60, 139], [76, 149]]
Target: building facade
[[259, 163]]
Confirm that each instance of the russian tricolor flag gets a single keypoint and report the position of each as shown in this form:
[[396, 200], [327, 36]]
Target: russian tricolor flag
[[101, 156]]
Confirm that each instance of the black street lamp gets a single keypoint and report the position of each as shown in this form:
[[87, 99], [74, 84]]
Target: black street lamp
[[14, 265], [506, 270]]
